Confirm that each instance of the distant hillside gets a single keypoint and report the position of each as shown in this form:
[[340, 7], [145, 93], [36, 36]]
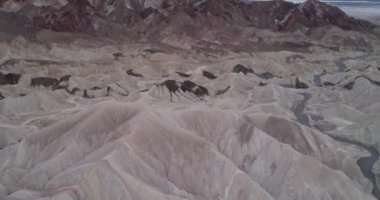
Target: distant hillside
[[149, 17]]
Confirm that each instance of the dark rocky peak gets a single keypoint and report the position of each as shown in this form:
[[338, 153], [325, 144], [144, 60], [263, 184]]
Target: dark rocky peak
[[75, 16], [316, 10], [313, 13]]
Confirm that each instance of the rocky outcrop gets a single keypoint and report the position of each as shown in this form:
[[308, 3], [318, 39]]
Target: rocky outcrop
[[132, 73], [45, 82], [175, 87], [9, 79], [209, 75], [242, 69]]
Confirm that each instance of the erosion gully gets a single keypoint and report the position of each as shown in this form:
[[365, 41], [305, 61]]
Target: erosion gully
[[365, 163]]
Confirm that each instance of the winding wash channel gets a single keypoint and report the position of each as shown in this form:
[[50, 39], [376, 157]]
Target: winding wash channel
[[365, 163], [341, 67]]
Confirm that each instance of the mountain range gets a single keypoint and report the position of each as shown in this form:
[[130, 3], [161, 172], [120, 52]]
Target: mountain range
[[146, 18]]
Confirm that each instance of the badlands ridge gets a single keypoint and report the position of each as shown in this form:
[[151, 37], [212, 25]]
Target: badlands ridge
[[202, 100]]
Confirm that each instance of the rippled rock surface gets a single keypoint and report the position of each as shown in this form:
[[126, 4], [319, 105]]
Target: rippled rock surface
[[234, 112]]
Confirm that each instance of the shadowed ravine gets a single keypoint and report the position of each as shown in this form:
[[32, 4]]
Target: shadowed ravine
[[365, 163], [340, 63]]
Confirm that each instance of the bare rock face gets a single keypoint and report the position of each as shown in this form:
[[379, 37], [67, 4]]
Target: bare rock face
[[74, 16], [313, 13]]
